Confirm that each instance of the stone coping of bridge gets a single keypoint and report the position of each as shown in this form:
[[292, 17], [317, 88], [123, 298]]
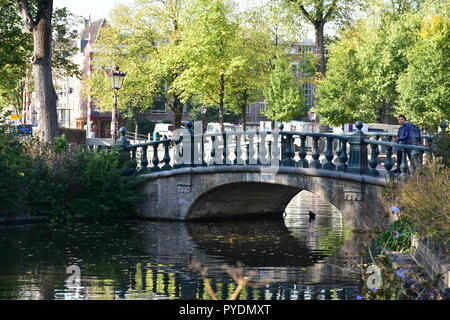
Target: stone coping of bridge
[[266, 171]]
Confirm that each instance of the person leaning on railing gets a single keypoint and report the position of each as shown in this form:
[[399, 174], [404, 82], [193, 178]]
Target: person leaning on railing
[[404, 136]]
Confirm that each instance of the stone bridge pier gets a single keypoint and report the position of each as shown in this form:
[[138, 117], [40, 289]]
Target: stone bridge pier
[[230, 192]]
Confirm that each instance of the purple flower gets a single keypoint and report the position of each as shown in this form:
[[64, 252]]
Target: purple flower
[[359, 298], [396, 234], [395, 209], [401, 273]]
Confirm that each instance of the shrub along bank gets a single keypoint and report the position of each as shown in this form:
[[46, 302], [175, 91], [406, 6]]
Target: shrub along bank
[[60, 181]]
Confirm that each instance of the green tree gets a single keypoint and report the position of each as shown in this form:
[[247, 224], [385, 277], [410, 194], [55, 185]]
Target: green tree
[[15, 47], [214, 51], [364, 68], [258, 49], [425, 86], [144, 40], [342, 92], [319, 13], [284, 97]]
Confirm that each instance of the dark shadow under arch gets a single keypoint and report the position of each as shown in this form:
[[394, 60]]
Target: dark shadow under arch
[[243, 199]]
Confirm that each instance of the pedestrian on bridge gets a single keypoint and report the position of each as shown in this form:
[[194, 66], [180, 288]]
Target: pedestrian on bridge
[[405, 136]]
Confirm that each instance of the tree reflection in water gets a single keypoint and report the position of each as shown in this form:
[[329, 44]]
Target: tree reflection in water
[[240, 276]]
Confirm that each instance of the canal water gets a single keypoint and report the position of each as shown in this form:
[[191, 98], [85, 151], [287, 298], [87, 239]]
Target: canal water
[[286, 259]]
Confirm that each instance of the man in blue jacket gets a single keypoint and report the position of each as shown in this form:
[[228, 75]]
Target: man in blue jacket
[[404, 136]]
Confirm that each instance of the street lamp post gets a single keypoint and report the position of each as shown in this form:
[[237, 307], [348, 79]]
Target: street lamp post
[[116, 77]]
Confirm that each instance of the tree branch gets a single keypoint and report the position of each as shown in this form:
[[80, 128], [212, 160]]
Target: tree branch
[[306, 14], [332, 9], [26, 15]]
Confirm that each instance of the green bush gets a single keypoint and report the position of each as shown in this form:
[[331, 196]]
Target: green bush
[[397, 237], [424, 201], [63, 181], [441, 145]]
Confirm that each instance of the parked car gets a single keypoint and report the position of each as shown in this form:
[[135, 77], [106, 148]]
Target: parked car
[[24, 129]]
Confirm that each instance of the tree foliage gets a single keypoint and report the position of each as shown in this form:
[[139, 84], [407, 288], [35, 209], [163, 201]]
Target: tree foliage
[[376, 70], [284, 97], [228, 57], [425, 85], [144, 40]]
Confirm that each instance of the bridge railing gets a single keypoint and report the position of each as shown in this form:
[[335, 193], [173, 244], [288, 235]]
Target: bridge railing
[[344, 153]]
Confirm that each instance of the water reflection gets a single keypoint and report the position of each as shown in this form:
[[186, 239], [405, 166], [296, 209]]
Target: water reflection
[[150, 260]]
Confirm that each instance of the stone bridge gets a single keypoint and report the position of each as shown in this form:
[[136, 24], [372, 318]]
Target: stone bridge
[[222, 184]]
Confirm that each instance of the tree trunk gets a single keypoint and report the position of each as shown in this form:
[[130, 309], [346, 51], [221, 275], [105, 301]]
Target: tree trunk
[[244, 117], [222, 103], [320, 45], [41, 28], [177, 108], [244, 102]]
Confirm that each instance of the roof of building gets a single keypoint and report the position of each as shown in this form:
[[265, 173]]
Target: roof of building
[[92, 31]]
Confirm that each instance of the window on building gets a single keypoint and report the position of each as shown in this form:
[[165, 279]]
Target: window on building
[[159, 106], [248, 111], [262, 105], [64, 118], [294, 50], [295, 69], [186, 108]]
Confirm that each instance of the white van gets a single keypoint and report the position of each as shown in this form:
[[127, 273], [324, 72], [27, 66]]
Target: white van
[[165, 131], [216, 128]]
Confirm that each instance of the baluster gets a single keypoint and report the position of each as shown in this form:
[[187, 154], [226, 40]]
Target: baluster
[[338, 153], [225, 150], [263, 158], [303, 163], [315, 163], [258, 149], [329, 165], [190, 128], [343, 158], [269, 152], [275, 151], [155, 159], [166, 158], [378, 151], [404, 165], [288, 152], [251, 150], [134, 158], [178, 154], [429, 143], [212, 161], [144, 159], [203, 153], [237, 149], [414, 159], [374, 160], [389, 162], [420, 159]]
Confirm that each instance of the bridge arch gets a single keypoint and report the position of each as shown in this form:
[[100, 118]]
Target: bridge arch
[[231, 191]]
